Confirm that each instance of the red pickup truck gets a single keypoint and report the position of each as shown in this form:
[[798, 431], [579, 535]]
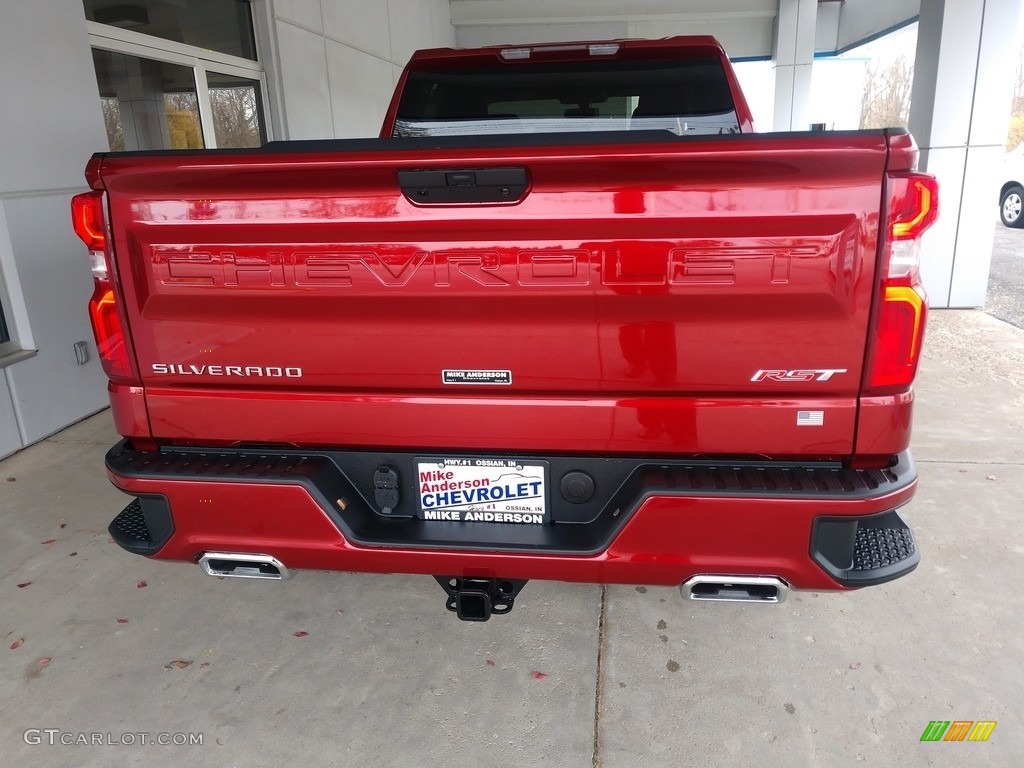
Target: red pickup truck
[[568, 318]]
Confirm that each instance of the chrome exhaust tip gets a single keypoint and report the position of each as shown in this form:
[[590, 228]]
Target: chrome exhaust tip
[[240, 565], [736, 589]]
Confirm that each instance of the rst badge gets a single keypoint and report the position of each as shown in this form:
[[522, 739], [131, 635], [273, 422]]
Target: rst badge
[[797, 374]]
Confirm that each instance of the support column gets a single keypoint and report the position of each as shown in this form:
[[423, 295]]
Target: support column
[[794, 56], [959, 115]]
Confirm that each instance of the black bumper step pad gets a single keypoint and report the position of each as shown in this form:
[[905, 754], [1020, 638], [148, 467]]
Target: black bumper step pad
[[143, 526], [861, 551], [877, 548]]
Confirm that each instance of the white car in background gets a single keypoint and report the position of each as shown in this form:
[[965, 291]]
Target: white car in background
[[1011, 195]]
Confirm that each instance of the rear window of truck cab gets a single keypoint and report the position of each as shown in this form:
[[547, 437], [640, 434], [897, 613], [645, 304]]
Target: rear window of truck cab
[[687, 97]]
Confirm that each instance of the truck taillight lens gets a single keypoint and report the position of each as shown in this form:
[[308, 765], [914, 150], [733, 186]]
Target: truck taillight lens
[[89, 222], [90, 225], [109, 333], [898, 335], [902, 304], [915, 205]]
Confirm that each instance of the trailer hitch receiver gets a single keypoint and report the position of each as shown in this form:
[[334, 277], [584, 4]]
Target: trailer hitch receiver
[[476, 599]]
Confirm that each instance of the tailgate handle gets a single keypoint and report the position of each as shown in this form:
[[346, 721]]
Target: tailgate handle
[[446, 186]]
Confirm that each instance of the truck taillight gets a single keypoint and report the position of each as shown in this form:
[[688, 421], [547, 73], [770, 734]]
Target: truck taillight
[[90, 225], [902, 304], [88, 220], [915, 205]]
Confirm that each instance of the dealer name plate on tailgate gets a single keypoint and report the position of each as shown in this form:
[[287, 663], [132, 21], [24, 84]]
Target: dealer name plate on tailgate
[[483, 490]]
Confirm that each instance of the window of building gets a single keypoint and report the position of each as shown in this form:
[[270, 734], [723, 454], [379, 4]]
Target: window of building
[[147, 104], [11, 347], [236, 104], [5, 334], [224, 26], [16, 341], [179, 74]]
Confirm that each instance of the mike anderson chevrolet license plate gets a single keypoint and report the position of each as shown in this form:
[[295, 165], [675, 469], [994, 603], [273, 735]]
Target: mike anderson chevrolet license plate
[[483, 490]]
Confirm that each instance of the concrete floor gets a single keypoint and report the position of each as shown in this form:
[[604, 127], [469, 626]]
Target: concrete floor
[[1005, 297], [576, 676]]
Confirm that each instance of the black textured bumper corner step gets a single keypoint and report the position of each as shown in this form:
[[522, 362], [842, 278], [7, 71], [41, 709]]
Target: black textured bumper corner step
[[877, 548], [143, 526], [861, 551]]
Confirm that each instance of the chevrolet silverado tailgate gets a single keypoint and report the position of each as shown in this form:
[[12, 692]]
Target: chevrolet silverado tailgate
[[630, 293]]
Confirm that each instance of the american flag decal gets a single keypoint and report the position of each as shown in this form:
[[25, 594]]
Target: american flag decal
[[810, 418]]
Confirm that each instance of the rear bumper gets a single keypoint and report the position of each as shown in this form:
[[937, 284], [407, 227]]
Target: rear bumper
[[816, 526]]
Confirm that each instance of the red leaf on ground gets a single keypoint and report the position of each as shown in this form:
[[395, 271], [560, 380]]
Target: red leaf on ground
[[49, 541], [141, 584], [489, 662], [177, 664], [24, 584], [44, 661], [17, 643], [301, 633], [537, 675], [122, 621]]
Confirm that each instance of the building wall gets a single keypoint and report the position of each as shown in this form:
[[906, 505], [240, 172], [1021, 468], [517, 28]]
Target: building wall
[[744, 28], [478, 35], [52, 123], [739, 37], [866, 18], [959, 115], [336, 62]]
